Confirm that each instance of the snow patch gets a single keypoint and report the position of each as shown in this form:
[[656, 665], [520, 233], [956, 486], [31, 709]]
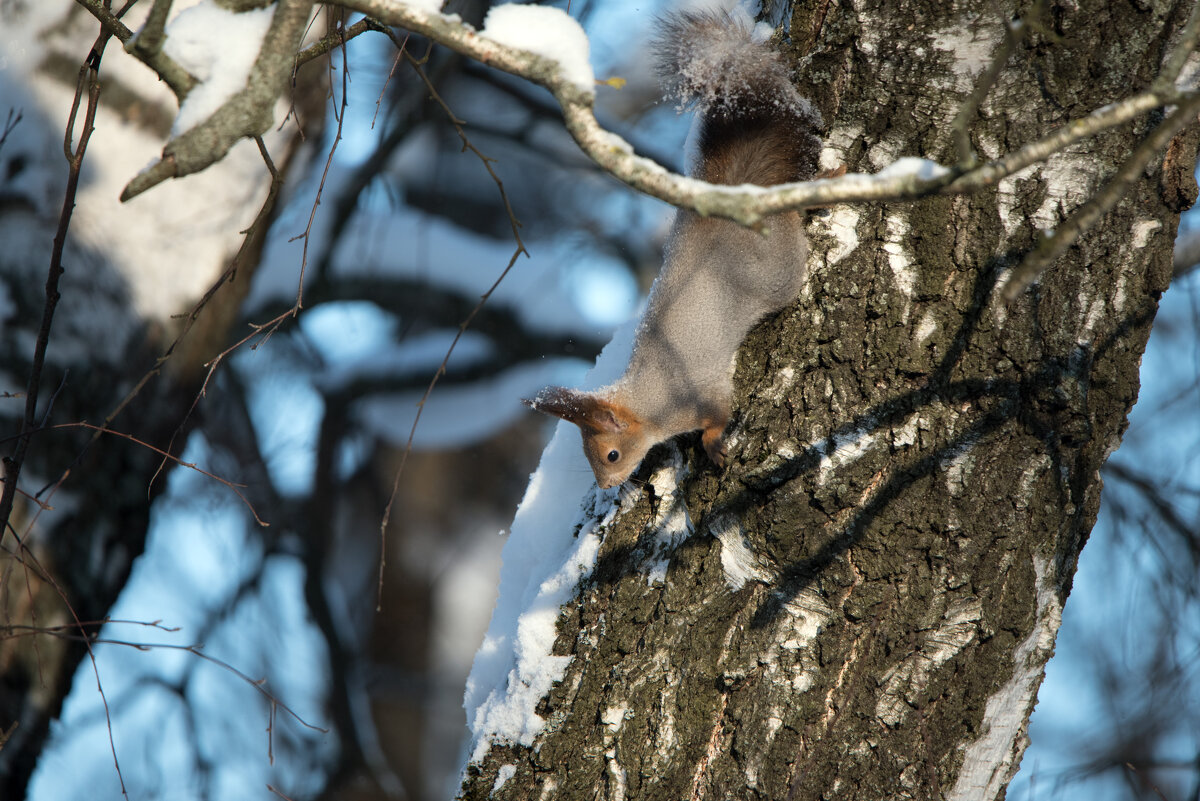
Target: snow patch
[[505, 773], [613, 718], [829, 159], [428, 6], [542, 566], [921, 169], [218, 48], [544, 31], [672, 524]]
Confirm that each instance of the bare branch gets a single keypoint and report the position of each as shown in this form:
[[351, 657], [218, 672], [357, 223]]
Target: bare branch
[[337, 38], [89, 84], [192, 465], [152, 55]]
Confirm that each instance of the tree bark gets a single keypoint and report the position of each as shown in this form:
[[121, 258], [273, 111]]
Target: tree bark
[[862, 604]]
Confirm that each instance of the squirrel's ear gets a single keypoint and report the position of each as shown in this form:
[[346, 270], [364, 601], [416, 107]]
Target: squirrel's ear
[[581, 408]]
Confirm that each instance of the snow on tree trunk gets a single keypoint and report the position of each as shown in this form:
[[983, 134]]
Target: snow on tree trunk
[[862, 604]]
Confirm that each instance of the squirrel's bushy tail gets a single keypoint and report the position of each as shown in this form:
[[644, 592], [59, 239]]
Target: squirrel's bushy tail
[[755, 127]]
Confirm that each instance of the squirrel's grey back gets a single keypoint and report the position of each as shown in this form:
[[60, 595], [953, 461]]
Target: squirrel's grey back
[[719, 278]]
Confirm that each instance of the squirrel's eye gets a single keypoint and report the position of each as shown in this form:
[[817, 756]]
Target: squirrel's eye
[[614, 455]]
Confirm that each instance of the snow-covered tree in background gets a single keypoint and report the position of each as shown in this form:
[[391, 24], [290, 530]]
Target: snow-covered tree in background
[[860, 605]]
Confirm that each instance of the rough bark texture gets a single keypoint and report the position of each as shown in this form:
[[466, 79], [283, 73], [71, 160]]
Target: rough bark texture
[[865, 599]]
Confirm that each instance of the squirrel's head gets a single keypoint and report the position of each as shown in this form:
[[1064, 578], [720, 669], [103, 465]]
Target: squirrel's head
[[614, 439]]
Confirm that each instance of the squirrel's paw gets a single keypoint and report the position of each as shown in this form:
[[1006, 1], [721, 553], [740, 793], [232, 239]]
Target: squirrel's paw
[[714, 444]]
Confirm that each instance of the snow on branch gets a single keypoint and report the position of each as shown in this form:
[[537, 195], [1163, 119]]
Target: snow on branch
[[243, 109]]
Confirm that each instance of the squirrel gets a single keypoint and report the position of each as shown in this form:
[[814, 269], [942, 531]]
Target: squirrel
[[718, 279]]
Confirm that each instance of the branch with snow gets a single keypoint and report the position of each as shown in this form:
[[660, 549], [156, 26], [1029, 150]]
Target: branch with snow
[[547, 47], [561, 70], [226, 68]]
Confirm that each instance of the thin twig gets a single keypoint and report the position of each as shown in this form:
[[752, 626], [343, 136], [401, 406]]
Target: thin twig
[[14, 119], [441, 370], [264, 331], [388, 80], [88, 82], [166, 455], [89, 79], [328, 42], [253, 237], [340, 115], [9, 628], [198, 651], [1145, 780]]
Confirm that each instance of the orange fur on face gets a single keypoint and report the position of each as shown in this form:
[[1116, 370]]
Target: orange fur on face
[[614, 440]]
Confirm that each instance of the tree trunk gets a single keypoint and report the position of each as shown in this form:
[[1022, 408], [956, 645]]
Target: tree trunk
[[862, 604]]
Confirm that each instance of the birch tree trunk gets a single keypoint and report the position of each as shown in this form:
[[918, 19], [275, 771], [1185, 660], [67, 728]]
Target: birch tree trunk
[[862, 604]]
